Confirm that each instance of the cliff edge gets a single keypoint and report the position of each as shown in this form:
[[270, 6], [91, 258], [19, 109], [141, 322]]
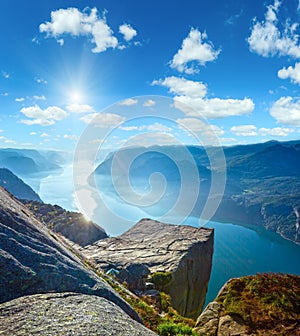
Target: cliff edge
[[183, 253]]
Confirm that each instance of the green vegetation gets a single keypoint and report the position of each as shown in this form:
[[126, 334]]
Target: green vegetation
[[170, 329], [161, 280], [264, 300]]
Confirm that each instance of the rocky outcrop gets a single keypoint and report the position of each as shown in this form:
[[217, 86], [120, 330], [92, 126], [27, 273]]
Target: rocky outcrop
[[265, 304], [16, 186], [33, 260], [71, 225], [66, 314], [183, 251]]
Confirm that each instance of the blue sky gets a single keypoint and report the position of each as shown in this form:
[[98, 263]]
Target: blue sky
[[234, 64]]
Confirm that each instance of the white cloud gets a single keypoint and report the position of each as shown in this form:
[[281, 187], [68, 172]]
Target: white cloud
[[194, 50], [266, 39], [41, 81], [158, 127], [32, 133], [5, 74], [4, 94], [71, 137], [214, 108], [286, 110], [39, 97], [80, 108], [151, 139], [86, 23], [200, 127], [251, 130], [103, 37], [19, 100], [103, 120], [276, 131], [129, 102], [128, 32], [42, 117], [190, 98], [244, 130], [149, 103], [45, 135], [182, 86], [290, 72]]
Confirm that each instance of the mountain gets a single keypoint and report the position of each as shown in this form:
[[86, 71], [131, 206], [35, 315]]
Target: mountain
[[264, 304], [16, 186], [262, 181], [28, 161]]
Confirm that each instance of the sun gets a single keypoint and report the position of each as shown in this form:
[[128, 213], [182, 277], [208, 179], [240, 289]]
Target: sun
[[76, 96]]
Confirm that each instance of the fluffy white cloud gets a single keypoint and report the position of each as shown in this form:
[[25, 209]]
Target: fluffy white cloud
[[267, 40], [71, 137], [128, 32], [128, 102], [244, 130], [19, 100], [103, 120], [276, 131], [42, 117], [182, 86], [149, 103], [286, 110], [198, 126], [190, 98], [151, 139], [214, 108], [158, 127], [290, 72], [103, 37], [86, 23], [39, 97], [80, 108], [194, 50], [251, 130], [45, 135]]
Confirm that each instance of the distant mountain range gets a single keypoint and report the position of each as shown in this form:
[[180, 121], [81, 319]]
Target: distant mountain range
[[24, 162], [262, 187]]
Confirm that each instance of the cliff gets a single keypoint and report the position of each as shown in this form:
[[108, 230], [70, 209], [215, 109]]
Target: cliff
[[16, 186], [72, 225], [183, 252], [265, 304], [66, 314], [33, 260]]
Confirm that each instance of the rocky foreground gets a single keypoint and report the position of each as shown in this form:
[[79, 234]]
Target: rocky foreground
[[183, 252], [66, 314]]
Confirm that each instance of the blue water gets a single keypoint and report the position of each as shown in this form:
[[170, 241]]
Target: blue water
[[238, 250]]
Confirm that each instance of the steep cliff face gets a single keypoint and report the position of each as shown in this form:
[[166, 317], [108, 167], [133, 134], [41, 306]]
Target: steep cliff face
[[183, 251], [33, 260], [265, 304], [16, 186], [66, 314]]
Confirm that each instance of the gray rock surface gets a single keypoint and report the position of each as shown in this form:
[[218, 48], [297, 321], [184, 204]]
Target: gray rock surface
[[184, 251], [33, 260], [66, 314]]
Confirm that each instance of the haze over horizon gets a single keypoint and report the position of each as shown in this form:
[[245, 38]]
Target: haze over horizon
[[235, 63]]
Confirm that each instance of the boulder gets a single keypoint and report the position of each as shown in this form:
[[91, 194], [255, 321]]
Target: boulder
[[183, 251], [33, 260], [66, 314]]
